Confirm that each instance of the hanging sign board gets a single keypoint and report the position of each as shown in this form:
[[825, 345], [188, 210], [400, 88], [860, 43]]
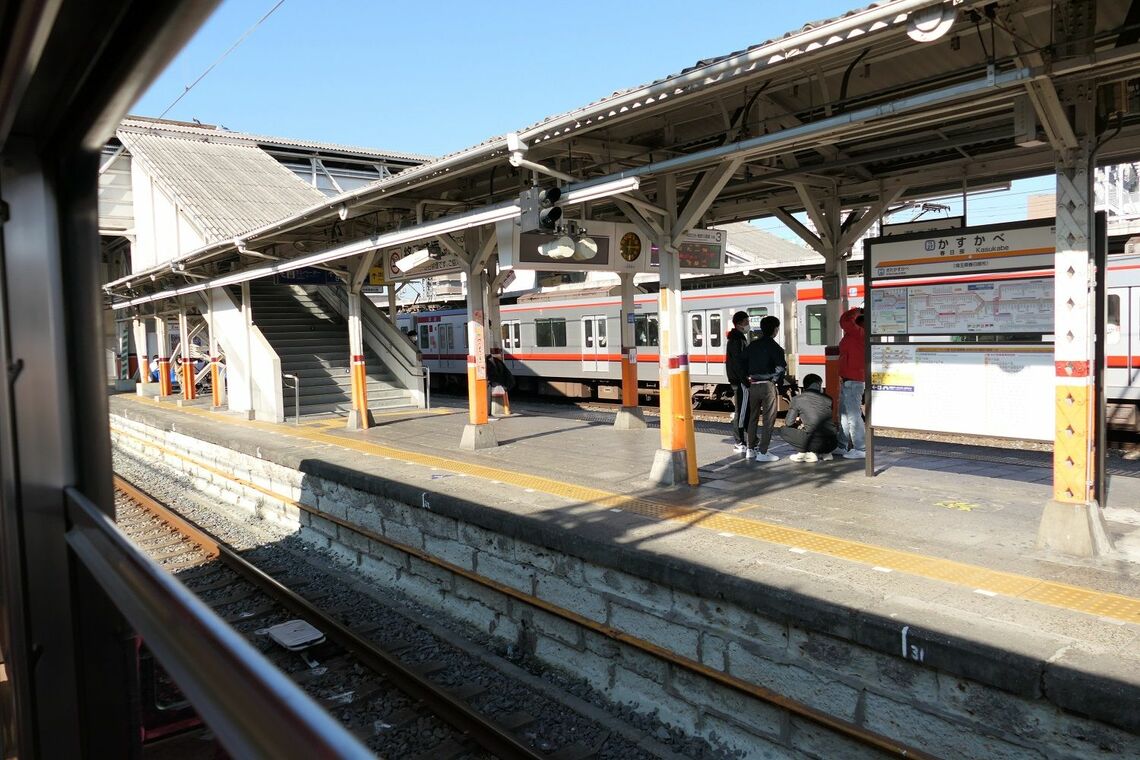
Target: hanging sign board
[[700, 252], [976, 249], [448, 264], [619, 248], [306, 276]]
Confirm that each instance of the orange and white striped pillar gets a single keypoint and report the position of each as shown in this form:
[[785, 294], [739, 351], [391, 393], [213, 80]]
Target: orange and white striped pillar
[[676, 460], [834, 266], [189, 393], [1072, 522], [630, 416], [478, 433], [360, 418], [215, 359], [165, 387]]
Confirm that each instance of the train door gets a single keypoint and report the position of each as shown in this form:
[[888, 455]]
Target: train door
[[706, 342], [595, 356], [512, 342], [1118, 344]]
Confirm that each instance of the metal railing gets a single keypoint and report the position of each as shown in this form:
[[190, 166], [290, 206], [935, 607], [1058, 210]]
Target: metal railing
[[252, 707], [296, 386]]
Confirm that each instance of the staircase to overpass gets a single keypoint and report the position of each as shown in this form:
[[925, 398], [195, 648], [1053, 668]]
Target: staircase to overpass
[[311, 339]]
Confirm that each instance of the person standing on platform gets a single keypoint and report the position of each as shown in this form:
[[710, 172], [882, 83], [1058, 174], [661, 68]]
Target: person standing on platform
[[766, 365], [736, 367], [815, 439], [852, 381], [154, 369]]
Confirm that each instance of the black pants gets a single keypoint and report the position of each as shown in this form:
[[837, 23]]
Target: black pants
[[762, 399], [817, 442], [740, 413]]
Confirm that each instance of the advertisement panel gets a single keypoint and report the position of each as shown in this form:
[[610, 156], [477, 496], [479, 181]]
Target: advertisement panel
[[1001, 391]]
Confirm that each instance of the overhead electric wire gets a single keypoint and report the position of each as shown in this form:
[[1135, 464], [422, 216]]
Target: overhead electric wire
[[221, 58]]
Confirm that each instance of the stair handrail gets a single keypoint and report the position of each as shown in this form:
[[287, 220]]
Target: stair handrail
[[296, 396]]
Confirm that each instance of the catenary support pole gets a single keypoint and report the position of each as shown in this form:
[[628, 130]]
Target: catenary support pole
[[630, 416], [360, 418]]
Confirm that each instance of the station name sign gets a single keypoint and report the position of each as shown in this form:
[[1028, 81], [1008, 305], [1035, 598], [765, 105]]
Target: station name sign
[[962, 252]]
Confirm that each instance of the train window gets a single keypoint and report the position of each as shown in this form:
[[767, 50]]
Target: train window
[[714, 329], [817, 325], [697, 323], [645, 330], [550, 332], [424, 341], [755, 314], [1112, 329], [446, 337]]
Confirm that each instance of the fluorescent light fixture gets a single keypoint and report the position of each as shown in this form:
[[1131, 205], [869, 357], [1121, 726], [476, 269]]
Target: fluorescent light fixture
[[413, 260], [601, 190], [585, 249]]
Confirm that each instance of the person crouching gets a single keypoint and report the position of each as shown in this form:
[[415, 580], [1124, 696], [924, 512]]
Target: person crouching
[[815, 437]]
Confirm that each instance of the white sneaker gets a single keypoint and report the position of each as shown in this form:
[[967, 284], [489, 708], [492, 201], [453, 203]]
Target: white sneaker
[[749, 453], [855, 454], [798, 457], [824, 457], [810, 456], [740, 448], [766, 457]]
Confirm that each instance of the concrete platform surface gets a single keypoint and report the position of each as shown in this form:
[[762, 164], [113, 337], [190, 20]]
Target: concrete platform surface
[[942, 539]]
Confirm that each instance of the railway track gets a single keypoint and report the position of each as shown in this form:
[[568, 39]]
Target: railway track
[[400, 709]]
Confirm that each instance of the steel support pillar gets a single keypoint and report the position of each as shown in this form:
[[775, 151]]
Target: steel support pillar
[[630, 416], [393, 309], [142, 351], [187, 379], [360, 418], [162, 334], [247, 323], [216, 389], [675, 462], [1072, 522], [478, 433]]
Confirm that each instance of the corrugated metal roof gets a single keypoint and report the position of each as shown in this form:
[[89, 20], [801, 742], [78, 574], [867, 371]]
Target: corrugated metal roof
[[766, 250], [221, 133], [227, 189]]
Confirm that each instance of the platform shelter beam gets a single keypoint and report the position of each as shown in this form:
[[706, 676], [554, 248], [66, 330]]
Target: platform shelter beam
[[478, 433], [630, 416], [1072, 522]]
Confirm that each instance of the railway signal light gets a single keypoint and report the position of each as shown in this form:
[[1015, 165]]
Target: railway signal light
[[539, 210]]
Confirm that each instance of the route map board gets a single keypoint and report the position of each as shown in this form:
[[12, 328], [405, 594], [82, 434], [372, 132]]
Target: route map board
[[997, 306], [1002, 391]]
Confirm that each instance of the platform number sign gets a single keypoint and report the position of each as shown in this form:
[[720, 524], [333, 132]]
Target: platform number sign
[[910, 650]]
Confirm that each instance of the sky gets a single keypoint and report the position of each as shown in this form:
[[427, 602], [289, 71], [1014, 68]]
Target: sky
[[437, 76]]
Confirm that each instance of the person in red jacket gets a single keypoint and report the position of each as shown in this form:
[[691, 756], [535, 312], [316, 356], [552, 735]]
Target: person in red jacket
[[852, 380]]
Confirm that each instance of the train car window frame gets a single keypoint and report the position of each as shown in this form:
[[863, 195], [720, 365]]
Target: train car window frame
[[425, 338], [815, 335], [1112, 319], [646, 331], [716, 324], [550, 332], [696, 329], [755, 314]]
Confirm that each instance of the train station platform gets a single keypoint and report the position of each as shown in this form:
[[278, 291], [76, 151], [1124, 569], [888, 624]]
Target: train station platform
[[931, 564]]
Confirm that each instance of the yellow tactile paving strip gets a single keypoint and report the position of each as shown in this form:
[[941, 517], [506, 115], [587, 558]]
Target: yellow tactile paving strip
[[1051, 593]]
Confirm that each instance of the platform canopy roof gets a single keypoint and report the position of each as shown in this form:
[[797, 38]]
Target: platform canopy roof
[[858, 107]]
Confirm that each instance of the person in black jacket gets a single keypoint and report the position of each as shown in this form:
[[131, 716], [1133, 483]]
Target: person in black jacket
[[736, 367], [766, 366], [816, 437]]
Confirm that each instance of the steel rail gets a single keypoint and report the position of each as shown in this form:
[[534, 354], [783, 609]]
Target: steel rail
[[462, 717], [253, 708]]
